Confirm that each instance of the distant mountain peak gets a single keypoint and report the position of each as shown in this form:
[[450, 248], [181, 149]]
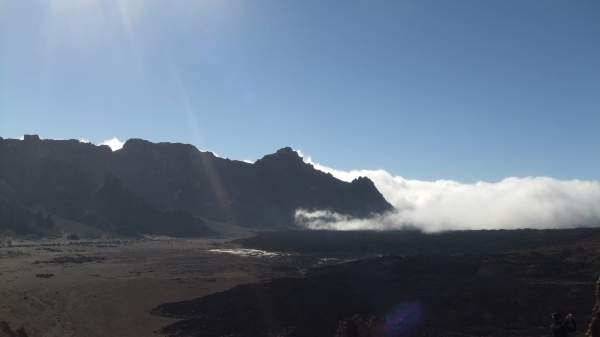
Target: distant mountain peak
[[363, 181], [135, 142], [283, 159], [365, 185], [286, 151]]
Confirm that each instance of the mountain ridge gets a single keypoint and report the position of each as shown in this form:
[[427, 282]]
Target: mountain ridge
[[180, 185]]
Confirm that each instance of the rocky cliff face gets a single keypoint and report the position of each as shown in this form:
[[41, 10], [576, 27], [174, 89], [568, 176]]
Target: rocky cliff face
[[167, 188]]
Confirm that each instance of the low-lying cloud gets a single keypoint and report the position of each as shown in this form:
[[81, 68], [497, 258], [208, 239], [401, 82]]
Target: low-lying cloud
[[528, 202]]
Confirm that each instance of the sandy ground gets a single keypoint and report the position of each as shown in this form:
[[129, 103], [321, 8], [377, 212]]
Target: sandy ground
[[112, 294]]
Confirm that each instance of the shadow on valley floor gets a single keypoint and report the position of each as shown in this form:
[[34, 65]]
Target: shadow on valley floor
[[505, 285], [413, 242]]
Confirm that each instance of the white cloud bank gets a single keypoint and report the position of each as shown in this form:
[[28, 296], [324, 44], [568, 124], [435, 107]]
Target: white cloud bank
[[529, 202], [114, 143]]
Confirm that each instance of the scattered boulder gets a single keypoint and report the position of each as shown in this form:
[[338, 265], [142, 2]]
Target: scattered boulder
[[71, 259], [48, 275], [6, 331]]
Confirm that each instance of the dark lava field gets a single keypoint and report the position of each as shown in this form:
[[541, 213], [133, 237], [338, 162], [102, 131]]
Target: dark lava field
[[469, 283]]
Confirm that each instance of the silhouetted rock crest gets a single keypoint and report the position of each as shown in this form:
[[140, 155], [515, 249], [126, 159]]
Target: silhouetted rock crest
[[165, 188]]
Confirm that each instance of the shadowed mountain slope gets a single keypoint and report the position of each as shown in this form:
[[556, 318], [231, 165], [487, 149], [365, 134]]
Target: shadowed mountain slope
[[169, 188]]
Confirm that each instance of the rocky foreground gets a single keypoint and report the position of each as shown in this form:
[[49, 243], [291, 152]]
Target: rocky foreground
[[497, 288], [489, 283]]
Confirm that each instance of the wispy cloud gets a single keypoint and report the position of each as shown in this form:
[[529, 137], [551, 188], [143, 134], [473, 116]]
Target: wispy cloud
[[114, 143], [526, 202]]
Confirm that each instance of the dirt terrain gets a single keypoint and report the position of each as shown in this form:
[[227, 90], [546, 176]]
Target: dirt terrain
[[488, 283], [108, 287]]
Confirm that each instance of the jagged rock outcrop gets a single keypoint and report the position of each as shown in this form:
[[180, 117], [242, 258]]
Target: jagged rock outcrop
[[594, 327], [169, 188]]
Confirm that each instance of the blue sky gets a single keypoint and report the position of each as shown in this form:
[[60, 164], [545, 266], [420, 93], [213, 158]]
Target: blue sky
[[465, 90]]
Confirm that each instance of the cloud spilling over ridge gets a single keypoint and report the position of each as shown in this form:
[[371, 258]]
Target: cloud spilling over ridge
[[114, 143], [528, 202]]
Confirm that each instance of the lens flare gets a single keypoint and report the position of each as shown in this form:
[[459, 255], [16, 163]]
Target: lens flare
[[403, 319]]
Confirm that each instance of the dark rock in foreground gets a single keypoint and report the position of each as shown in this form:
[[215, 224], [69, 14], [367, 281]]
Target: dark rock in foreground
[[44, 275], [506, 292], [398, 296], [594, 326], [6, 331]]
